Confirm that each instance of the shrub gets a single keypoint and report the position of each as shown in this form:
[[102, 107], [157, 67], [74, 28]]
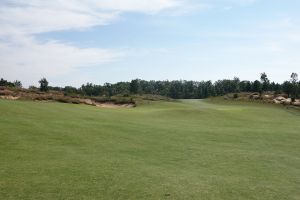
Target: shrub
[[63, 99], [75, 101]]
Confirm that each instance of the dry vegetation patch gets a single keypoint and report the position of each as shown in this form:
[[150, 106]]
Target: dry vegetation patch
[[55, 96], [267, 97]]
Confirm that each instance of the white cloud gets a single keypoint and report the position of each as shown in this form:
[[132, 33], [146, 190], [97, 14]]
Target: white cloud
[[32, 20], [234, 2], [22, 55], [37, 16], [28, 60], [145, 6], [51, 57]]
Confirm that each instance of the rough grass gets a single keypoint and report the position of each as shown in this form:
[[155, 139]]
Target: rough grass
[[161, 150]]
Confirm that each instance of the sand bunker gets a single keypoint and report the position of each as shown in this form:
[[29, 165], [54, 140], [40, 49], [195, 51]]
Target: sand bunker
[[9, 97], [112, 105]]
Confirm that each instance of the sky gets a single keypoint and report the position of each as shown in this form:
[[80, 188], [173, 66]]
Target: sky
[[72, 42]]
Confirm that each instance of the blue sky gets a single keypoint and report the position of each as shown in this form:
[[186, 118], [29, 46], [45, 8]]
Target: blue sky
[[74, 42]]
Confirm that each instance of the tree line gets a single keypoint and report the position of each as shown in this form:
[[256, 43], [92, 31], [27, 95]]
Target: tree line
[[179, 89], [6, 83]]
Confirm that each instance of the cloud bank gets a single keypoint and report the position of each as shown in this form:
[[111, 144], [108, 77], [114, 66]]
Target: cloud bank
[[22, 54]]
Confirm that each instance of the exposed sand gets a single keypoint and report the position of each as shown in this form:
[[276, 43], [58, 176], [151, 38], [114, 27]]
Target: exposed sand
[[9, 97], [112, 105]]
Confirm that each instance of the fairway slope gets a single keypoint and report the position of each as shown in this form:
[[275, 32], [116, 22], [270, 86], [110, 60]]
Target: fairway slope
[[190, 149]]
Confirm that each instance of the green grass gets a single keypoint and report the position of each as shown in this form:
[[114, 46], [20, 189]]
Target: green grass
[[161, 150]]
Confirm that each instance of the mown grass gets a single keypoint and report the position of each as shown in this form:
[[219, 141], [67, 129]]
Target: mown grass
[[161, 150]]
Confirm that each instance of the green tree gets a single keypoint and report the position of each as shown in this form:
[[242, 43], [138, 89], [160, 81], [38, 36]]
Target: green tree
[[294, 89], [44, 85], [294, 77], [69, 90], [265, 81], [18, 84], [287, 88], [134, 86], [256, 86], [6, 83]]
